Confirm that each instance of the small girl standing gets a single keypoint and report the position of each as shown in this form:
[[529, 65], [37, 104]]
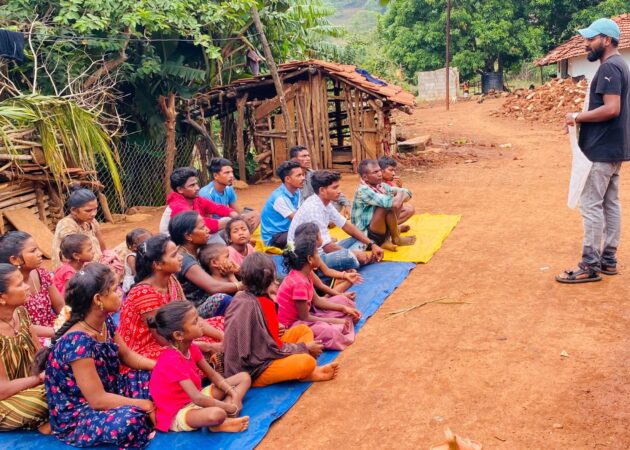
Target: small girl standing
[[330, 319], [238, 237], [181, 403], [133, 240], [76, 251]]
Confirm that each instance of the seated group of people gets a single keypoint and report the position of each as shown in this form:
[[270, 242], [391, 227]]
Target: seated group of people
[[203, 316]]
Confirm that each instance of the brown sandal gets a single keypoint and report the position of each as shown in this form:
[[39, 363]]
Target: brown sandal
[[455, 442]]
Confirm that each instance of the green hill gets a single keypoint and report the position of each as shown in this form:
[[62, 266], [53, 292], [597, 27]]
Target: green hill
[[356, 13]]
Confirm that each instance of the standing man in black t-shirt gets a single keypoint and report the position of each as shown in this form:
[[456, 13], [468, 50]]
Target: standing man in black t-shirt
[[605, 140]]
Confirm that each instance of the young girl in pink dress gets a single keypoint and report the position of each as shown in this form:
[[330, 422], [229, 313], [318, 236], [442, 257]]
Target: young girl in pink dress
[[331, 319]]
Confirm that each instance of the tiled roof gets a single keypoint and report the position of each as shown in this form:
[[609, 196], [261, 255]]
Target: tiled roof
[[344, 72], [575, 46]]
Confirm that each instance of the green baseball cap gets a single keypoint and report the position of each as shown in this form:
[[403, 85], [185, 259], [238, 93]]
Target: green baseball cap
[[606, 27]]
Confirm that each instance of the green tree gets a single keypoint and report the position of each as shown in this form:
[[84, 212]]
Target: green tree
[[485, 36]]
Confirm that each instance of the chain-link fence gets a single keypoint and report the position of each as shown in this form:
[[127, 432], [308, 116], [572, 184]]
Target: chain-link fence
[[142, 166]]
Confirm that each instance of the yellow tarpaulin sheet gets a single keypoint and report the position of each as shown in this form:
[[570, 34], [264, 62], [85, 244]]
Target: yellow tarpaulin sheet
[[430, 229]]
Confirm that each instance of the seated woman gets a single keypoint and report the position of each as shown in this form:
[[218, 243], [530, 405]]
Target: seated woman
[[157, 262], [43, 302], [90, 402], [255, 342], [181, 403], [210, 296], [330, 319], [22, 396], [82, 207]]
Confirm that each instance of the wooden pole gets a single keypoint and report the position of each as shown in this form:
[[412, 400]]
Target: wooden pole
[[448, 43], [240, 129], [288, 123]]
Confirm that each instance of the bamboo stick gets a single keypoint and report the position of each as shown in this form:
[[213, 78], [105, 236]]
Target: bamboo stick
[[11, 157], [240, 128]]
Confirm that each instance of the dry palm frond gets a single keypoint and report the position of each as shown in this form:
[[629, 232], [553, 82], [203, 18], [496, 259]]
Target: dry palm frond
[[69, 135]]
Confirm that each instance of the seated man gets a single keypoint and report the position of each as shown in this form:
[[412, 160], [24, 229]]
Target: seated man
[[185, 197], [221, 191], [378, 208], [303, 157], [281, 205], [318, 209], [388, 166]]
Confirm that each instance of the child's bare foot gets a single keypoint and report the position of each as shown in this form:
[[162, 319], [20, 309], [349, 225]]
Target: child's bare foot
[[45, 428], [388, 245], [404, 228], [406, 240], [324, 373], [236, 425]]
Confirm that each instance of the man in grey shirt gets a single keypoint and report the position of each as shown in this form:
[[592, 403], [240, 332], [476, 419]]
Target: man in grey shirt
[[303, 157]]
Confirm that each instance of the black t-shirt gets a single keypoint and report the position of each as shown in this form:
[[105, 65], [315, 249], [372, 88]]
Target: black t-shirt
[[608, 141]]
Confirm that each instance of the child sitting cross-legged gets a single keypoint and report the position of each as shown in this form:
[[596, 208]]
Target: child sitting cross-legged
[[215, 259], [133, 240], [181, 403], [257, 343], [331, 319]]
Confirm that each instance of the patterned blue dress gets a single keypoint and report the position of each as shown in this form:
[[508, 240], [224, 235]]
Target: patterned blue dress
[[72, 419]]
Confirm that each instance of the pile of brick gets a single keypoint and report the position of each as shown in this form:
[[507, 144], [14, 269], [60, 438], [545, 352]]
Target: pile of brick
[[549, 102]]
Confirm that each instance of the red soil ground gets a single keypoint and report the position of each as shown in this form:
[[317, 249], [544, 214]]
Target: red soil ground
[[490, 368]]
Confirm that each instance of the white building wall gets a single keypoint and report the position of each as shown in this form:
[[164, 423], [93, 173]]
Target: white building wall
[[579, 65]]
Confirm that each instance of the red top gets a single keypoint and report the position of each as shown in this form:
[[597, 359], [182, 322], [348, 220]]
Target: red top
[[61, 277], [391, 183], [165, 388], [144, 298], [178, 203], [271, 317]]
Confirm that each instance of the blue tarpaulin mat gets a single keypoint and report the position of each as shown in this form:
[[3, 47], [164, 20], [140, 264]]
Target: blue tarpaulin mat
[[262, 405]]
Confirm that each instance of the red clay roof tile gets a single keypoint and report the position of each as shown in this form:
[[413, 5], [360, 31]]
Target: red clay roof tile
[[575, 46]]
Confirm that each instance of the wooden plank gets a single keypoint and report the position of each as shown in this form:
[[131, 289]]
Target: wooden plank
[[279, 145], [271, 134], [23, 219], [370, 139], [268, 106]]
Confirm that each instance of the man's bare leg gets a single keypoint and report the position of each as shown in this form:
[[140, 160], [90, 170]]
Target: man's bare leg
[[405, 213], [394, 232]]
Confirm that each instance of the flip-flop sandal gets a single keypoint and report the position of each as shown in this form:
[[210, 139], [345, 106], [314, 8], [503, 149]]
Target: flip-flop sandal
[[572, 276], [609, 270]]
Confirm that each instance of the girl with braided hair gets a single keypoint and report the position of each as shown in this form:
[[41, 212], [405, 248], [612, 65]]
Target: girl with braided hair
[[22, 395], [90, 402], [331, 319]]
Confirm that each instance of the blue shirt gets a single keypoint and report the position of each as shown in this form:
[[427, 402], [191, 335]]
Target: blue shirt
[[274, 218], [227, 198]]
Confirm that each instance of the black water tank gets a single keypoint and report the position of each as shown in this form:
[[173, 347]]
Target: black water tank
[[491, 80]]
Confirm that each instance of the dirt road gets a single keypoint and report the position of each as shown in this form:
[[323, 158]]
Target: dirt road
[[490, 368]]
